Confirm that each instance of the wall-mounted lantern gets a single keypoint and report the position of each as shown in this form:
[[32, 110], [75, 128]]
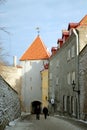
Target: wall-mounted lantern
[[73, 85], [52, 101]]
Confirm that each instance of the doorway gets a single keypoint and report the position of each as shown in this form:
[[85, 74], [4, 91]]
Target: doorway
[[34, 106]]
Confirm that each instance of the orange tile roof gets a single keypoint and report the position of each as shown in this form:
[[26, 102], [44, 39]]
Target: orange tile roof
[[83, 21], [36, 51]]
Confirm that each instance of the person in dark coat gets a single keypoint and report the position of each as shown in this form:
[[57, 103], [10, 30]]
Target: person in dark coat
[[38, 112], [45, 112]]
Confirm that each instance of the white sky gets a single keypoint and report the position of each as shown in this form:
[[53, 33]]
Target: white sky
[[22, 17]]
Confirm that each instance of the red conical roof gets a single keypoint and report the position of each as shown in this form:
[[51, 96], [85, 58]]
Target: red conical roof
[[36, 51]]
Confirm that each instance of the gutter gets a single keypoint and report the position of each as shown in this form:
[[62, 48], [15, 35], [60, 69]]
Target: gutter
[[77, 69]]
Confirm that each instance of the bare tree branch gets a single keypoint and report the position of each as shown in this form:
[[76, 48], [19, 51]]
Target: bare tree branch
[[4, 30], [2, 51]]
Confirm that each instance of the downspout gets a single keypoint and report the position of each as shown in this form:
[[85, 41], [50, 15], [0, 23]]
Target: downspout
[[77, 69]]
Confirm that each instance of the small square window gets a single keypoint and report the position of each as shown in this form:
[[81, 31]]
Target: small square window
[[73, 51], [73, 76], [68, 78], [68, 55]]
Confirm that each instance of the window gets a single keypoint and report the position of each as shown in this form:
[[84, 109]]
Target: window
[[73, 76], [50, 63], [68, 55], [68, 78], [31, 88], [64, 103], [57, 63], [57, 80], [30, 78], [73, 51], [50, 75]]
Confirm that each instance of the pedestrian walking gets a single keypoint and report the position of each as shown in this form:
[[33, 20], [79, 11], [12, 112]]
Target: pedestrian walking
[[45, 112], [38, 112]]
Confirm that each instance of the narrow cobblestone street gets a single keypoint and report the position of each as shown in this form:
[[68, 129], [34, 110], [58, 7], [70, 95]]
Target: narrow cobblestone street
[[51, 123]]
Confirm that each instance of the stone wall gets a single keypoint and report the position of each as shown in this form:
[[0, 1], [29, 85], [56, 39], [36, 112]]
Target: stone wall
[[9, 104], [13, 76]]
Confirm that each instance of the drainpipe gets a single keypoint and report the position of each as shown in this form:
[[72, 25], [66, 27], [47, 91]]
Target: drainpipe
[[77, 69]]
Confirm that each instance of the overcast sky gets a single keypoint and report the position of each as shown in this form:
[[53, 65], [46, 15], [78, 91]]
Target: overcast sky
[[22, 17]]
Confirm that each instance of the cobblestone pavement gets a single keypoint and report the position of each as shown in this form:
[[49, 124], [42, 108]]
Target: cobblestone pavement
[[51, 123]]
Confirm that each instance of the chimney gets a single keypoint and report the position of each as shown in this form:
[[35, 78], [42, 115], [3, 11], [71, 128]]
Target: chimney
[[60, 43], [65, 35], [14, 61], [54, 50], [46, 66]]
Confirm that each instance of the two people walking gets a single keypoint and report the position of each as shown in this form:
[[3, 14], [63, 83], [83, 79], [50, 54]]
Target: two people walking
[[38, 111]]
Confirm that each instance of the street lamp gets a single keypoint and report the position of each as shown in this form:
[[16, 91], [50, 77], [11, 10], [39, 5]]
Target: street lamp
[[73, 85]]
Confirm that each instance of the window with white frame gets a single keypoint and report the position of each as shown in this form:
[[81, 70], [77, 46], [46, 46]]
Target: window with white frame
[[68, 78], [68, 55], [73, 76], [57, 80], [64, 102], [73, 51]]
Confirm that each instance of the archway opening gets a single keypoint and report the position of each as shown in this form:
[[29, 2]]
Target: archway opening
[[34, 106]]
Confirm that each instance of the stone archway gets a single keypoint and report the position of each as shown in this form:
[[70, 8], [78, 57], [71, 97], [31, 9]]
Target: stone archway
[[34, 105]]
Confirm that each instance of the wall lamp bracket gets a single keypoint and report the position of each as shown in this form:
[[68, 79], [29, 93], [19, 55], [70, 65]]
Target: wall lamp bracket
[[73, 85]]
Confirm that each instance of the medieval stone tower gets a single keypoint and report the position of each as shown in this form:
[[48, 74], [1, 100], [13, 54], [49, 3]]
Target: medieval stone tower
[[32, 62]]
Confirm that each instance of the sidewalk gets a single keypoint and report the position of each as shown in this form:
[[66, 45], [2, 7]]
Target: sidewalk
[[73, 120]]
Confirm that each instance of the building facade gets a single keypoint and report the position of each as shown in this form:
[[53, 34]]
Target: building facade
[[64, 70]]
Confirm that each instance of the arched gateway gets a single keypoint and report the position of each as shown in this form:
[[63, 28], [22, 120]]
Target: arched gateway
[[34, 105]]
